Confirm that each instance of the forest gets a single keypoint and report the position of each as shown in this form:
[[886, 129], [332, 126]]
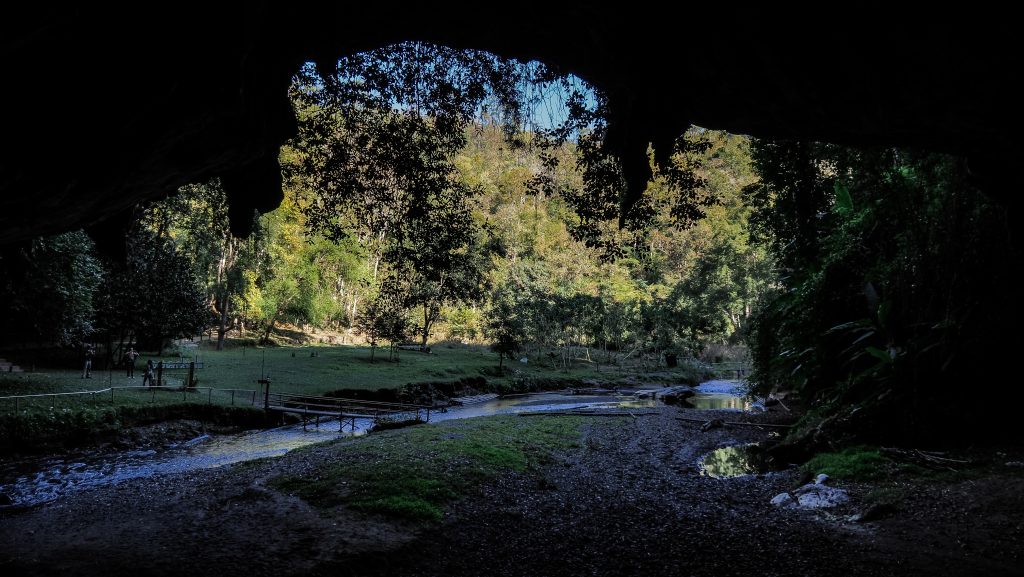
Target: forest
[[426, 200]]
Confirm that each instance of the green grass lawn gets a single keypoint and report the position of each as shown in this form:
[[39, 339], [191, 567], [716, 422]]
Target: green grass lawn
[[294, 370]]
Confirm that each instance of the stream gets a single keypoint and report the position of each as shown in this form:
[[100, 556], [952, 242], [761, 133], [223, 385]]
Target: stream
[[33, 481]]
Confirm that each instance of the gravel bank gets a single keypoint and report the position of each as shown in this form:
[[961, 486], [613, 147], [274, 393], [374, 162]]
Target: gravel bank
[[630, 500]]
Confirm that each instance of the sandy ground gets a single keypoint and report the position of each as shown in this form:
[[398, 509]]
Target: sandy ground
[[630, 501]]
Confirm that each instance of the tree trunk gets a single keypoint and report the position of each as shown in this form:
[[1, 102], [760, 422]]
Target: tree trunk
[[426, 327], [266, 334], [222, 329]]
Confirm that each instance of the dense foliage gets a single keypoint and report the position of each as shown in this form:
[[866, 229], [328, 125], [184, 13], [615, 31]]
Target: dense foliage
[[885, 257], [47, 288]]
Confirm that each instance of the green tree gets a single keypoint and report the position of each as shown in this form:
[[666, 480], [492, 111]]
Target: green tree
[[505, 324], [376, 156], [153, 297], [384, 318], [48, 289], [196, 219]]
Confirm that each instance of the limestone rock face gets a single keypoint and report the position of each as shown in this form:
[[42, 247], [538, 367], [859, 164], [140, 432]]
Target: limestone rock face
[[103, 108]]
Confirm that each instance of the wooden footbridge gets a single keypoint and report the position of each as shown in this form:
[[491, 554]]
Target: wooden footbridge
[[345, 410]]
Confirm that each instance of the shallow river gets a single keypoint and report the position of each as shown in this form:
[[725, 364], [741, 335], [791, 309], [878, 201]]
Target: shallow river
[[34, 481]]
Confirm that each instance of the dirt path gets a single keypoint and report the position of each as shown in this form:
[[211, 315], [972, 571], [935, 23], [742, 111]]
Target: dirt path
[[629, 501]]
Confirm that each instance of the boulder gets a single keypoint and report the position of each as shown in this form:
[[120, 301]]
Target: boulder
[[815, 495], [676, 395]]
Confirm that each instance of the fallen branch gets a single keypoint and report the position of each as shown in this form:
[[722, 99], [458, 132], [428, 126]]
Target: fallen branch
[[770, 401], [737, 423], [924, 458]]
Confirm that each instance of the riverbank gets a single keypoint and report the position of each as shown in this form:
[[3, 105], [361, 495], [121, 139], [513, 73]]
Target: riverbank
[[58, 430], [47, 412], [619, 496]]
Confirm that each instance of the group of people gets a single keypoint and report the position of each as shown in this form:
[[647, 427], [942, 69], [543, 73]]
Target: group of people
[[148, 378]]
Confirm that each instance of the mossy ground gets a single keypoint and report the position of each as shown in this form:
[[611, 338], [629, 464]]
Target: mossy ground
[[414, 472]]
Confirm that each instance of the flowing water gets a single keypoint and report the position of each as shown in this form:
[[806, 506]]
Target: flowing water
[[33, 481]]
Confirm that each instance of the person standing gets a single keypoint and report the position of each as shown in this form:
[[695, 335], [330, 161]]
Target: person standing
[[90, 351], [150, 376], [129, 361]]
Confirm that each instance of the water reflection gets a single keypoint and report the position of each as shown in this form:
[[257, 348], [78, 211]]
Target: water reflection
[[716, 401], [721, 394], [31, 482], [731, 462], [544, 402]]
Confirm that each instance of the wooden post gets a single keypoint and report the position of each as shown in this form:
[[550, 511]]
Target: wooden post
[[266, 392], [191, 374], [160, 374]]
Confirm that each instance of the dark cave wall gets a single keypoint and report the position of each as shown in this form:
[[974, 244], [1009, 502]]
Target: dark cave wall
[[104, 108]]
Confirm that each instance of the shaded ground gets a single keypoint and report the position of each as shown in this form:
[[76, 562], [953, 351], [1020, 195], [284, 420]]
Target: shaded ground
[[629, 500]]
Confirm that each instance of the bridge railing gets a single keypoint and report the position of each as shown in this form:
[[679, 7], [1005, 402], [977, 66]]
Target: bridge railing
[[299, 403]]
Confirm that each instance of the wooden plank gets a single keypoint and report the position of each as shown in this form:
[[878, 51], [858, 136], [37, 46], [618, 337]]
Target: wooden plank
[[301, 411], [475, 399], [583, 414]]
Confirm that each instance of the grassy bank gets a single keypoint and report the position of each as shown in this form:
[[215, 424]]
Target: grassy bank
[[39, 430], [412, 473]]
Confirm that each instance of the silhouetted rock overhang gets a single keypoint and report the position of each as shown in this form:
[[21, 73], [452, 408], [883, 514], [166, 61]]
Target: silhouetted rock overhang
[[104, 107]]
